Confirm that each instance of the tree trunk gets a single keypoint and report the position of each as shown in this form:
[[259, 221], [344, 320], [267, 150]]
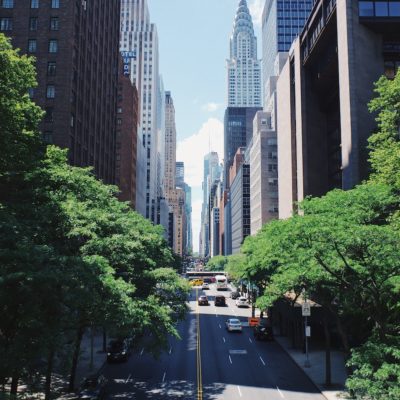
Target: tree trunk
[[328, 374], [75, 359], [49, 371], [14, 386]]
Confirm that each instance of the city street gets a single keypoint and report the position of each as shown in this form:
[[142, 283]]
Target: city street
[[211, 363]]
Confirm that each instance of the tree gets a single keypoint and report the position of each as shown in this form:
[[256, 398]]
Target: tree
[[216, 263]]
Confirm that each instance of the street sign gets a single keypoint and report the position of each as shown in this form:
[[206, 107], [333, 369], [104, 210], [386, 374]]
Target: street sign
[[308, 331], [306, 309]]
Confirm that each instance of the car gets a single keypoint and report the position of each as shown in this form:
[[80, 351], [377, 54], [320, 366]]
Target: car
[[235, 294], [205, 286], [233, 324], [207, 280], [93, 388], [242, 302], [196, 282], [263, 331], [203, 301], [118, 350], [220, 301]]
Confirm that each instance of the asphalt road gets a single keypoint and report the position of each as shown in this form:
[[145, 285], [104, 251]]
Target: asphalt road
[[211, 363]]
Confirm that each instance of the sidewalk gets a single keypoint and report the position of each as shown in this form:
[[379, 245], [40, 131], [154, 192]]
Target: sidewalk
[[84, 368], [316, 372]]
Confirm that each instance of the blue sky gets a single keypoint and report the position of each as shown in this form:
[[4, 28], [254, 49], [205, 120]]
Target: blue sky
[[194, 44]]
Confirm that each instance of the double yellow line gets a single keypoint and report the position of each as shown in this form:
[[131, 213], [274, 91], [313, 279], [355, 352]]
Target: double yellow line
[[198, 360]]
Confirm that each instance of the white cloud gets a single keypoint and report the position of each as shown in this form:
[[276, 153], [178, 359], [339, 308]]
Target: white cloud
[[256, 9], [191, 151], [211, 107]]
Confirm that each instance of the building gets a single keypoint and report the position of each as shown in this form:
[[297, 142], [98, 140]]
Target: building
[[243, 66], [211, 172], [263, 161], [240, 200], [140, 40], [66, 38], [238, 131], [323, 92], [282, 21], [170, 145], [126, 138]]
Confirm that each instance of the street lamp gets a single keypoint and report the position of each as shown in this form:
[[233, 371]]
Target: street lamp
[[306, 312]]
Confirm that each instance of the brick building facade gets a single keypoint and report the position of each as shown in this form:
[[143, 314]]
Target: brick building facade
[[75, 44]]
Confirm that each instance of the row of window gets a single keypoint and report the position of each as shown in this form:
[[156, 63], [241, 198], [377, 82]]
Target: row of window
[[52, 47], [6, 24], [34, 3], [379, 8]]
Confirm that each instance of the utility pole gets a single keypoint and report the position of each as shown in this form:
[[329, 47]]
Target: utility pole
[[306, 312]]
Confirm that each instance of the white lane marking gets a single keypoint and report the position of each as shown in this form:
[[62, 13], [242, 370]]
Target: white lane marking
[[127, 379], [220, 327], [170, 350], [230, 359], [262, 361], [141, 353], [240, 393], [163, 378], [250, 340], [223, 339], [281, 394]]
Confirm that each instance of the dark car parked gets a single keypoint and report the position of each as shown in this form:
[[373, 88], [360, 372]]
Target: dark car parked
[[263, 331], [220, 301], [93, 388], [235, 294], [118, 350], [203, 301]]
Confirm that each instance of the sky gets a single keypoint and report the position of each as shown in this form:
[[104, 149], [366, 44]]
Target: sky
[[194, 45]]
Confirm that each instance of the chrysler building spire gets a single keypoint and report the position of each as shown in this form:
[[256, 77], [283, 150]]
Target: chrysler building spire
[[244, 69]]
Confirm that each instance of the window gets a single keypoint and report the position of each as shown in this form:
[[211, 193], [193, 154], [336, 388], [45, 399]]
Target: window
[[7, 3], [48, 117], [47, 137], [51, 68], [54, 25], [50, 92], [55, 3], [53, 46], [34, 3], [5, 24], [394, 8], [33, 24], [381, 9], [32, 45]]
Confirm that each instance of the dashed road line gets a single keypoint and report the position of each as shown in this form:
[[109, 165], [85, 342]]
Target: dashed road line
[[223, 339], [170, 350], [250, 340], [127, 379], [240, 392], [220, 327], [163, 378], [141, 353], [230, 359], [262, 361], [280, 393]]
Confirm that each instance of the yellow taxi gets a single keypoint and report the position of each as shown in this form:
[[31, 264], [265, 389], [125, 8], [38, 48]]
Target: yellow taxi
[[196, 282]]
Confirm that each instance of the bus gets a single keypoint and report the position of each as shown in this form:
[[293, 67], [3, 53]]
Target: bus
[[221, 282]]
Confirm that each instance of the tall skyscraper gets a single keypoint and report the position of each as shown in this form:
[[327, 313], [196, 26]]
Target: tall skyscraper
[[67, 38], [282, 21], [211, 173], [243, 66], [238, 131], [323, 120], [139, 37]]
